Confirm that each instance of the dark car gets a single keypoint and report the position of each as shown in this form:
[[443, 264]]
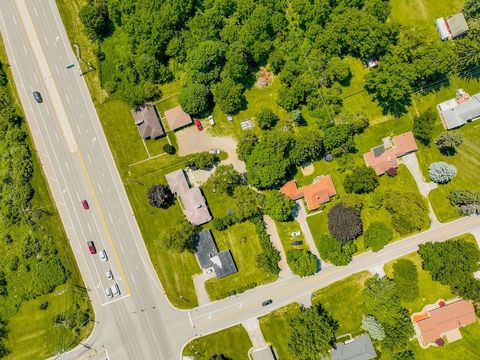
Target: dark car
[[37, 96], [85, 204], [198, 124], [267, 302], [91, 247], [295, 243]]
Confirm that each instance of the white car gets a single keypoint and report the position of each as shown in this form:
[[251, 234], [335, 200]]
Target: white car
[[209, 270], [211, 120], [103, 255], [215, 152], [109, 275], [116, 289], [296, 233], [109, 293]]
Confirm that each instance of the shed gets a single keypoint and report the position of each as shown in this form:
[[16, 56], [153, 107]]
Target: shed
[[442, 28], [457, 25], [147, 122], [177, 118]]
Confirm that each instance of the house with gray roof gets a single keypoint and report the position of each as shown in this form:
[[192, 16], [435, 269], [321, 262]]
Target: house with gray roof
[[208, 256], [359, 348], [148, 122], [193, 203], [460, 110]]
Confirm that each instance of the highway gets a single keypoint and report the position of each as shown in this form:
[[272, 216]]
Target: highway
[[139, 323]]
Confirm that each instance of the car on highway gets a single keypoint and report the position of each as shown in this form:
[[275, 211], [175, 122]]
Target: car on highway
[[116, 289], [109, 275], [38, 97], [198, 124], [109, 293], [85, 204], [91, 247], [296, 243], [215, 152], [267, 302], [211, 120], [103, 255]]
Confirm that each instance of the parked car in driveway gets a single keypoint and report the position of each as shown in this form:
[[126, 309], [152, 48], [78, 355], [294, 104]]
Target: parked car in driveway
[[85, 204], [198, 124], [38, 97], [215, 152], [296, 233], [91, 247], [296, 243], [211, 120]]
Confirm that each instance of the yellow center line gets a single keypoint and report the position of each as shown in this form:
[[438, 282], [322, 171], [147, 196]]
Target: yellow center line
[[109, 236]]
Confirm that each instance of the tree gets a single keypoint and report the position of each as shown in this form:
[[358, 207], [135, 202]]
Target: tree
[[338, 70], [3, 285], [266, 119], [409, 211], [229, 96], [404, 355], [423, 126], [3, 76], [441, 172], [179, 236], [377, 235], [361, 180], [269, 258], [313, 333], [448, 142], [220, 357], [466, 201], [334, 251], [248, 203], [160, 196], [344, 223], [405, 277], [94, 16], [278, 206], [195, 99], [302, 262], [471, 9], [308, 146], [246, 145], [224, 179], [297, 117], [204, 160], [468, 50], [378, 8], [169, 149], [340, 136], [205, 62], [371, 325]]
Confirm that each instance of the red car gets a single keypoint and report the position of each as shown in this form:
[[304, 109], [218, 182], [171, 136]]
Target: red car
[[91, 247], [85, 204], [198, 124]]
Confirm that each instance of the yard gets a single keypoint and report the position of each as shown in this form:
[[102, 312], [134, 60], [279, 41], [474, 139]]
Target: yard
[[233, 342]]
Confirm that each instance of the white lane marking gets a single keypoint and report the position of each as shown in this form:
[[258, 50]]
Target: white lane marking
[[121, 248], [89, 158], [35, 76], [46, 110], [68, 99], [78, 128], [57, 137], [89, 227], [110, 217], [190, 318], [46, 40], [35, 10], [25, 49], [133, 279], [99, 187], [56, 69], [14, 20], [67, 166]]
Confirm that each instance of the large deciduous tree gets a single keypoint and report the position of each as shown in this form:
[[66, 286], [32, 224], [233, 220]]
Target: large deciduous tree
[[409, 211], [377, 235], [224, 179], [423, 126], [278, 206], [229, 96], [361, 180], [248, 203], [160, 196], [405, 277], [344, 223], [266, 119], [195, 99], [302, 262], [466, 201], [334, 251], [448, 142], [94, 16], [179, 236]]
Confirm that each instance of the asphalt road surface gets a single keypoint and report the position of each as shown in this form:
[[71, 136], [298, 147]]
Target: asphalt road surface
[[139, 323]]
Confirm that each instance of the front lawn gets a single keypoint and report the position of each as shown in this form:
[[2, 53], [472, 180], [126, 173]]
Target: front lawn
[[233, 342], [285, 230]]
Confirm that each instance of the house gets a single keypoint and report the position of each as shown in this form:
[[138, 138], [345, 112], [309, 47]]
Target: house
[[209, 257], [315, 194], [443, 319], [265, 353], [359, 348], [458, 111], [193, 203], [177, 118], [452, 27], [148, 122], [384, 157]]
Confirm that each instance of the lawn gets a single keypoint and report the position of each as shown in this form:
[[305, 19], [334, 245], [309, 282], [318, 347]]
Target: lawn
[[233, 342], [242, 241], [285, 230]]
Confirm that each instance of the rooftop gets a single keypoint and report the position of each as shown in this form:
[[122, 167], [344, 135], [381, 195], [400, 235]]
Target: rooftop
[[193, 203], [458, 111], [457, 25], [265, 353], [434, 323], [208, 255], [384, 157], [177, 118], [147, 121], [315, 194], [360, 348]]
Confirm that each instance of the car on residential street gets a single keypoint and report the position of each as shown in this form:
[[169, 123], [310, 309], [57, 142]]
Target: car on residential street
[[267, 302], [85, 204], [198, 124], [211, 120], [38, 97], [91, 247]]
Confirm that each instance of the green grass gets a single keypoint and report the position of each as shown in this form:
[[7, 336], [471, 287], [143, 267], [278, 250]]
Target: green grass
[[284, 231], [232, 342], [242, 241]]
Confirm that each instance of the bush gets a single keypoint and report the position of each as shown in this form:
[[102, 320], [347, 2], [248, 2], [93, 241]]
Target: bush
[[269, 258], [406, 278], [169, 149], [392, 172], [423, 126], [94, 17], [409, 211], [203, 160], [344, 223], [195, 99], [43, 306], [302, 262], [448, 142], [377, 235], [362, 180], [371, 325], [222, 223], [160, 196], [352, 201], [334, 251], [278, 206], [297, 117], [441, 172], [376, 200], [266, 119], [466, 201]]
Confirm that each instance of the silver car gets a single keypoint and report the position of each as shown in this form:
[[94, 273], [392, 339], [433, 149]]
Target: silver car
[[103, 255], [109, 293]]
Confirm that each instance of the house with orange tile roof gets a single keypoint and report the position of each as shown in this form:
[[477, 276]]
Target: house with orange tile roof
[[385, 157], [443, 319], [315, 194]]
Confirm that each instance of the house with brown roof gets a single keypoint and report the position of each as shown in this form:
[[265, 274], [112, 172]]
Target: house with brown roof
[[177, 118], [193, 203], [315, 194], [385, 157], [148, 122], [443, 319]]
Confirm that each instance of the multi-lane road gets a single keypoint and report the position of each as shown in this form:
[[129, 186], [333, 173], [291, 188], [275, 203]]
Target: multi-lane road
[[139, 323]]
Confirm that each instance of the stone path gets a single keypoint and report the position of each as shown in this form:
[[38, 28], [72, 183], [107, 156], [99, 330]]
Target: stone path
[[302, 220], [285, 271]]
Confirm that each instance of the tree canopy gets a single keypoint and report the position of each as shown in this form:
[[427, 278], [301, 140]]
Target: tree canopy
[[405, 277], [344, 223], [278, 206], [334, 251], [361, 180], [377, 235], [409, 211], [302, 262]]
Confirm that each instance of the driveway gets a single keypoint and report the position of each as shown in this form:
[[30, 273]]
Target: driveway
[[190, 141], [199, 284], [302, 220], [277, 243]]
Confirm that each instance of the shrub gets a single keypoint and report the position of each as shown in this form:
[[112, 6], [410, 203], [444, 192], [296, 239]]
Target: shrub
[[377, 235], [94, 17], [203, 160], [266, 119], [441, 172], [362, 180], [297, 117], [160, 196], [406, 278], [371, 325], [423, 126], [448, 142], [334, 251], [376, 200], [302, 262], [466, 201], [222, 223], [269, 258], [43, 306], [409, 211], [344, 223], [278, 206], [392, 172], [169, 149]]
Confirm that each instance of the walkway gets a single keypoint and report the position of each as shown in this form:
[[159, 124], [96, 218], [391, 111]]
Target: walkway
[[302, 220], [285, 271]]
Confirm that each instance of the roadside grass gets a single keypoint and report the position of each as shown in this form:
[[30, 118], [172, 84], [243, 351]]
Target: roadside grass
[[242, 240], [285, 230], [233, 342]]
